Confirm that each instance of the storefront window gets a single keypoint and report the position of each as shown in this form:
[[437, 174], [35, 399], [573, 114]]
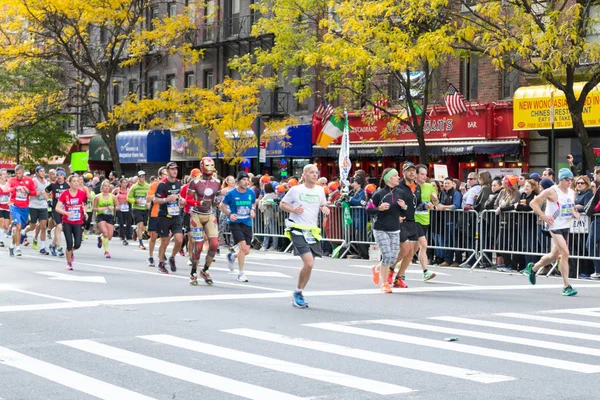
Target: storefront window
[[298, 165]]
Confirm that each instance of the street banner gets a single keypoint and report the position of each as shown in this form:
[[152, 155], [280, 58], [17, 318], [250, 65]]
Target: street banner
[[344, 157], [79, 161]]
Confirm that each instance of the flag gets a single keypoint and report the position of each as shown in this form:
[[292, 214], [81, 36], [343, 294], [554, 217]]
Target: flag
[[455, 102], [321, 115], [344, 157], [418, 109], [331, 131], [377, 112]]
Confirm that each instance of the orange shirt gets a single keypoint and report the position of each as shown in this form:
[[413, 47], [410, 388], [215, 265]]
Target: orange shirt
[[152, 192]]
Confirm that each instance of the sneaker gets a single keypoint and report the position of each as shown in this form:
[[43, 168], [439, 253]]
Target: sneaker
[[18, 252], [194, 279], [60, 252], [584, 276], [106, 254], [263, 249], [1, 243], [530, 273], [23, 238], [11, 251], [444, 264], [298, 300], [162, 269], [189, 262], [455, 265], [569, 291], [206, 276], [375, 272], [231, 261], [385, 288], [151, 262], [182, 253], [35, 244], [399, 283], [142, 247], [125, 242], [242, 277], [70, 267], [595, 275], [85, 236], [428, 275], [99, 244], [390, 277], [172, 264], [53, 250], [44, 252]]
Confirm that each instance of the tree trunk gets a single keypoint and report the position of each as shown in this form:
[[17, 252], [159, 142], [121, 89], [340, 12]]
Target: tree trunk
[[18, 159], [110, 137], [589, 159], [422, 148]]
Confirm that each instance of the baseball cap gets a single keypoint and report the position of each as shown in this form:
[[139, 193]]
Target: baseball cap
[[408, 165], [511, 180], [535, 175], [546, 183], [195, 172], [172, 164], [140, 173], [241, 175]]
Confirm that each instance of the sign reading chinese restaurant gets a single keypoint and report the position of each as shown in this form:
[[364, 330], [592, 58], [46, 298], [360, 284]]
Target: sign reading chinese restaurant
[[532, 105]]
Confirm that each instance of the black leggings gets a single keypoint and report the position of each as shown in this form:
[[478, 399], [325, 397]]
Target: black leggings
[[125, 220], [87, 224], [72, 236]]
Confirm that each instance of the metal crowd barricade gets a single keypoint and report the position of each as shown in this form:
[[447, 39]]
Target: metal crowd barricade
[[359, 233], [269, 221], [332, 226], [452, 233]]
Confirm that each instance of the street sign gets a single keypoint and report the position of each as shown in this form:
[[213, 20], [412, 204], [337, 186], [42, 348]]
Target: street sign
[[262, 155], [262, 126]]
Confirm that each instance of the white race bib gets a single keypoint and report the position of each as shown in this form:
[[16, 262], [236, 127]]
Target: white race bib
[[4, 199], [197, 235], [308, 236], [74, 215], [21, 195], [124, 207], [140, 201], [173, 209]]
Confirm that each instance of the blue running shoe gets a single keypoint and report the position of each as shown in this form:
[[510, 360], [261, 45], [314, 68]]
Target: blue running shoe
[[569, 291], [231, 261], [99, 242], [298, 300], [53, 250], [60, 252]]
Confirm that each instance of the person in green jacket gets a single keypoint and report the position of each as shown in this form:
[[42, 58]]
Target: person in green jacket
[[137, 198]]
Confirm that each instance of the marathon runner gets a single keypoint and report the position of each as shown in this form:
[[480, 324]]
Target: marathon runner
[[56, 189], [104, 205], [21, 187], [238, 205], [422, 218], [51, 225], [189, 199], [4, 205], [169, 216], [202, 219], [71, 206], [153, 223], [138, 198], [87, 224], [38, 211], [303, 202], [559, 214]]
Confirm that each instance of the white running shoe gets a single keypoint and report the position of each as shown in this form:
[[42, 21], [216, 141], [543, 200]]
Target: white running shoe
[[18, 252], [242, 277], [231, 260]]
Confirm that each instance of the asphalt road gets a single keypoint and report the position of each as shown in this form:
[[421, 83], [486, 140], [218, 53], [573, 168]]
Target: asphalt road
[[116, 329]]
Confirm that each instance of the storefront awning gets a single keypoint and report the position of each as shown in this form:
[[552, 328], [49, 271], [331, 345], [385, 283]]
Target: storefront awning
[[466, 147], [531, 107], [144, 146], [362, 150], [99, 150]]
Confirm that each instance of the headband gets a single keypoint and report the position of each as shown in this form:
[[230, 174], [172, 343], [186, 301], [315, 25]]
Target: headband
[[389, 174], [63, 173]]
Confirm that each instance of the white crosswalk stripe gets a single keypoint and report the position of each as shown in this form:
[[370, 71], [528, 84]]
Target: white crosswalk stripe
[[565, 321]]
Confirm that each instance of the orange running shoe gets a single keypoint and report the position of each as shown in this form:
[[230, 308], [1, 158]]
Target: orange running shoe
[[375, 272], [385, 288]]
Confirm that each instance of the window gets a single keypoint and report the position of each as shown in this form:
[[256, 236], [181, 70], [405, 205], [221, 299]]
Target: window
[[209, 79], [153, 15], [235, 6], [133, 86], [171, 9], [510, 83], [103, 35], [191, 7], [209, 21], [153, 88], [469, 71], [190, 80], [171, 83], [116, 92]]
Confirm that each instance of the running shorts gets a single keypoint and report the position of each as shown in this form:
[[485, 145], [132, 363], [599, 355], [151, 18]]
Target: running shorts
[[109, 219], [172, 225], [19, 215], [409, 232], [5, 214], [140, 216], [208, 222], [153, 224], [240, 233], [562, 232], [38, 214], [301, 247]]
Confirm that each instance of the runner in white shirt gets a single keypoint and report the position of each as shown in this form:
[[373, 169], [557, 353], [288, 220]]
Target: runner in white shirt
[[304, 202], [559, 214]]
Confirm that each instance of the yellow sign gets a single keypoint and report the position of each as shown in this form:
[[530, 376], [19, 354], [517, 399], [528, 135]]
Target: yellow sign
[[533, 104]]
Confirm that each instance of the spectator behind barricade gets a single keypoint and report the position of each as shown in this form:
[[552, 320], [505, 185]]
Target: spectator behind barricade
[[467, 223], [332, 224], [488, 220], [596, 175], [280, 190], [369, 190], [593, 243], [578, 169], [536, 177], [460, 187], [548, 173], [485, 181], [522, 179], [269, 206], [450, 199], [546, 183], [583, 192], [578, 241], [474, 188], [528, 222], [322, 181], [359, 216], [255, 185], [334, 192], [506, 200]]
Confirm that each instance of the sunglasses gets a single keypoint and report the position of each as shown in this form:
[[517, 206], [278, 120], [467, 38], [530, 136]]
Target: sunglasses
[[471, 179], [568, 179]]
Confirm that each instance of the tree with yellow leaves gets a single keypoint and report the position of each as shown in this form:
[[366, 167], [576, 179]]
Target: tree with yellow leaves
[[555, 41], [90, 40], [354, 50]]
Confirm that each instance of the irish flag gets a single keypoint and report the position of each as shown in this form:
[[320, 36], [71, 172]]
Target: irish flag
[[331, 131]]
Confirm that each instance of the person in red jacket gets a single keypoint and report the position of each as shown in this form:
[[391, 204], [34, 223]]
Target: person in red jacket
[[188, 197], [21, 187]]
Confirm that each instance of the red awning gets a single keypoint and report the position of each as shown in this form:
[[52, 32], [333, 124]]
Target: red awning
[[7, 164]]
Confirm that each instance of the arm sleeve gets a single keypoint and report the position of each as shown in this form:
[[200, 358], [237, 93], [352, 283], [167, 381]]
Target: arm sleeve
[[456, 200], [130, 198]]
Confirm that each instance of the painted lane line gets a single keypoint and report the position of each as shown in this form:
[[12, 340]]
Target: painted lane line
[[72, 278], [46, 296], [573, 322], [490, 336], [520, 328], [584, 313], [272, 274], [172, 370], [367, 385], [366, 355], [153, 273], [65, 377], [408, 271], [462, 348], [570, 310]]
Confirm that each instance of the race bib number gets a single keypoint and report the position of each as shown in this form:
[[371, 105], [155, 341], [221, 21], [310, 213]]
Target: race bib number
[[197, 235], [308, 236], [124, 207], [4, 199], [173, 209], [140, 201], [74, 215], [21, 195], [566, 210], [243, 212]]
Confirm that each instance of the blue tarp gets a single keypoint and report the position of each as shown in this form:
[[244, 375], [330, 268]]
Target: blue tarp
[[144, 146]]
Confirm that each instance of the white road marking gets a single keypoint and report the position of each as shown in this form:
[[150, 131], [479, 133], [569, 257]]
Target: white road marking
[[195, 376], [74, 278], [65, 377], [306, 371], [520, 328], [272, 274], [490, 336], [366, 355], [462, 348], [408, 271], [47, 296], [573, 322], [570, 310]]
